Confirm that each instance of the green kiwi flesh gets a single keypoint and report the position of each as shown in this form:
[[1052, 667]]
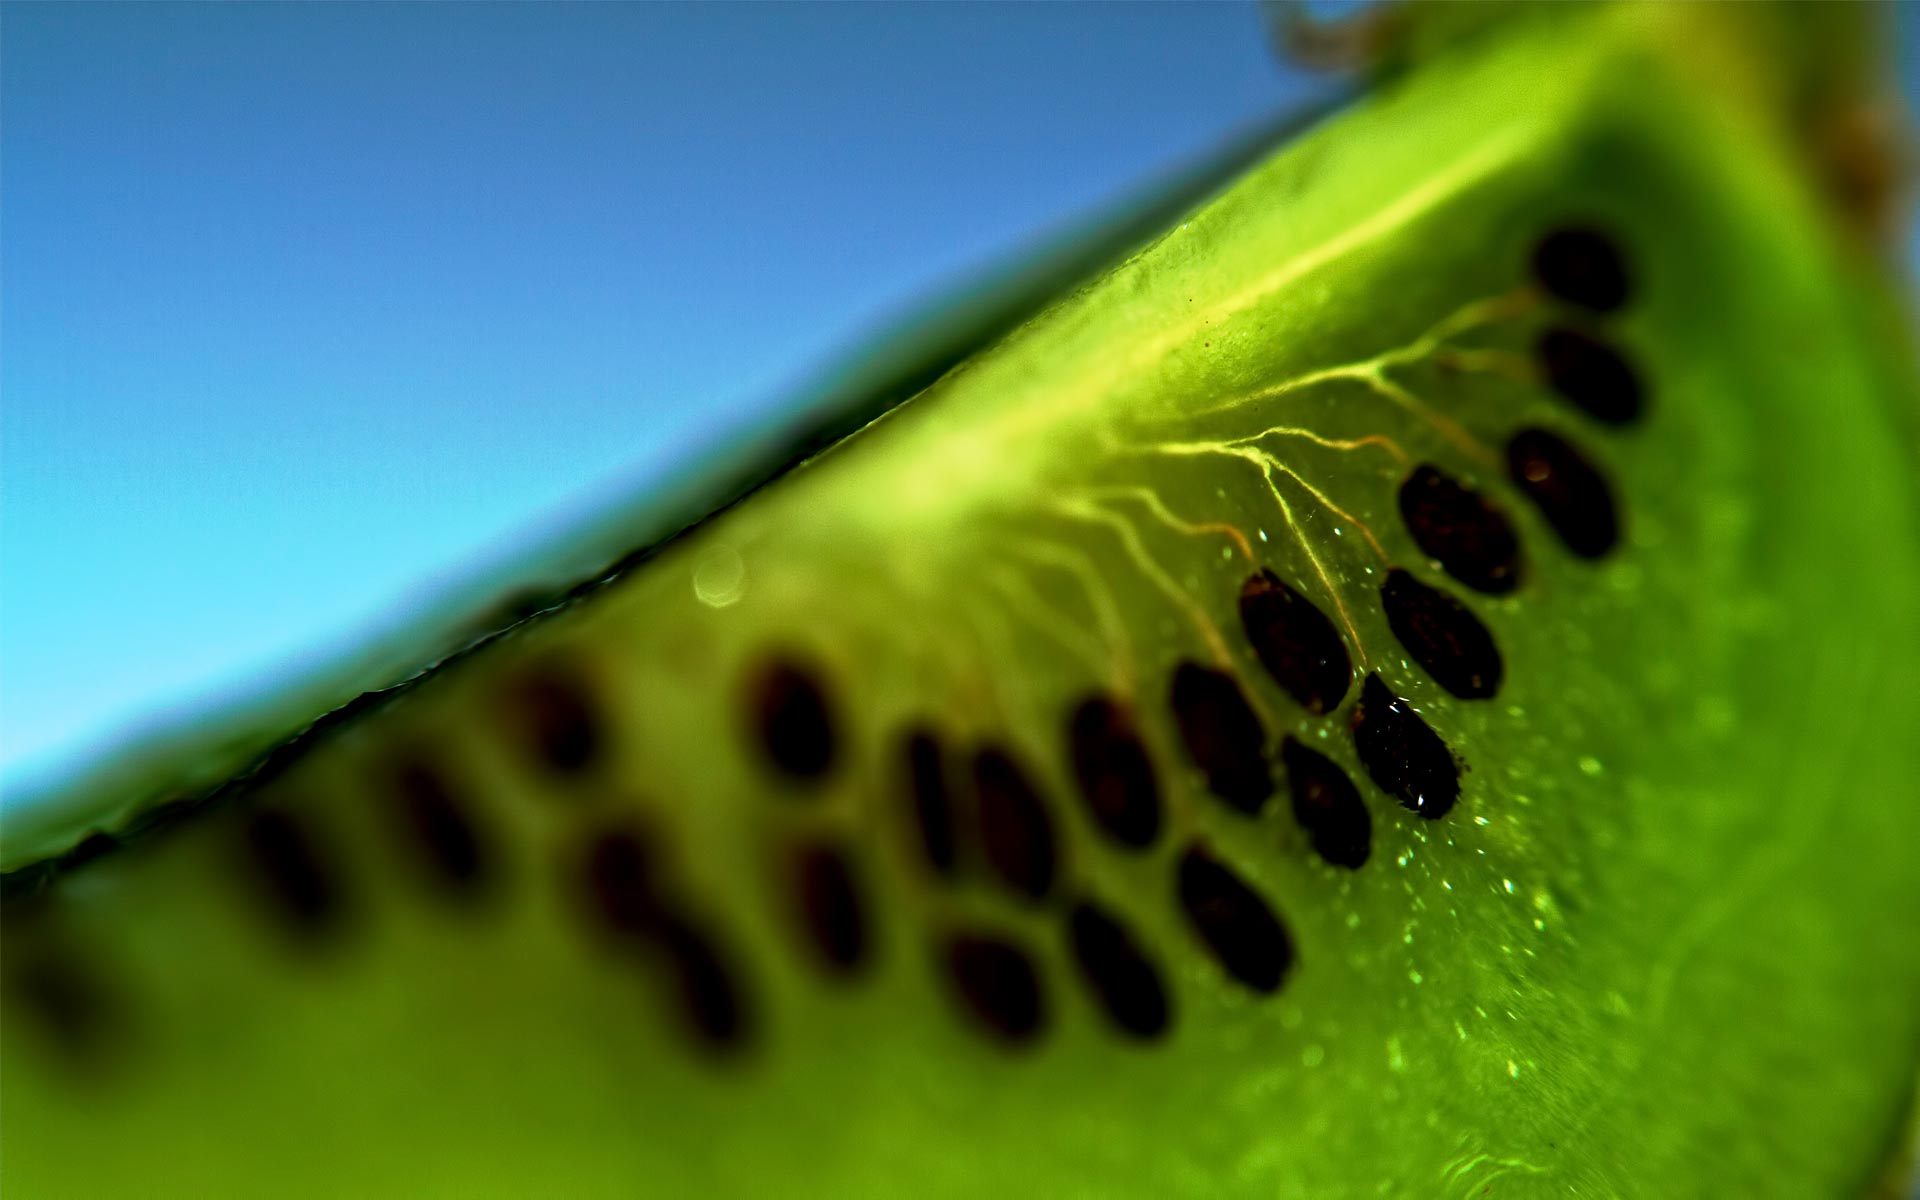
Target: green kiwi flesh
[[636, 898]]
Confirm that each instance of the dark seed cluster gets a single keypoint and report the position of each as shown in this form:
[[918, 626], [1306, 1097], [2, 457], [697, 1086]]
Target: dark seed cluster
[[626, 902], [1463, 531], [997, 819], [1583, 268], [980, 809]]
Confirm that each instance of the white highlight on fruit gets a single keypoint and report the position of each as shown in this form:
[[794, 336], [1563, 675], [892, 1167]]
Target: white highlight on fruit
[[720, 577]]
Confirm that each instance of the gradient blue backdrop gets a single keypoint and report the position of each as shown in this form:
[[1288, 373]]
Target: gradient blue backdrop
[[307, 305]]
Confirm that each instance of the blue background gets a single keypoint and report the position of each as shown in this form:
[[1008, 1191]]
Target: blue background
[[309, 308]]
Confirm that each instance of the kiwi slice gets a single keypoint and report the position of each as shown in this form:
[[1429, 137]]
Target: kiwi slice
[[1402, 685]]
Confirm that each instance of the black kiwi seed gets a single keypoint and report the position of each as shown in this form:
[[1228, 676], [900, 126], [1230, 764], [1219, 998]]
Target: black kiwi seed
[[1568, 491], [556, 714], [289, 872], [933, 814], [1401, 752], [439, 832], [618, 888], [793, 721], [709, 998], [1327, 805], [1458, 528], [65, 1000], [1222, 735], [1126, 984], [997, 985], [1442, 635], [1583, 267], [1233, 922], [623, 900], [829, 907], [1114, 772], [1296, 643], [1591, 375], [1016, 836]]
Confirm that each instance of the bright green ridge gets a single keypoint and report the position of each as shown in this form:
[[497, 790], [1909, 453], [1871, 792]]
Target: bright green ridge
[[1660, 947]]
